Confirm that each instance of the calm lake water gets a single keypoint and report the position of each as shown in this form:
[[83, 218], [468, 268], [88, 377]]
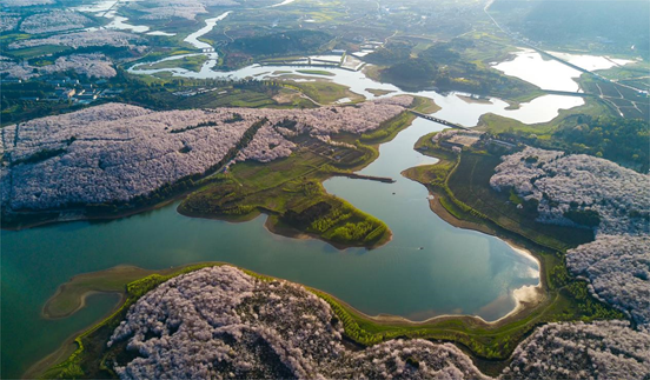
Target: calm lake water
[[550, 74], [430, 268]]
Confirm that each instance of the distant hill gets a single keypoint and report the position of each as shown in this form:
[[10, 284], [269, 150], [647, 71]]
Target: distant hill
[[616, 26]]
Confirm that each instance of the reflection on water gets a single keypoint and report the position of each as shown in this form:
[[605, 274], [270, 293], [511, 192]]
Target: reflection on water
[[550, 74], [429, 268]]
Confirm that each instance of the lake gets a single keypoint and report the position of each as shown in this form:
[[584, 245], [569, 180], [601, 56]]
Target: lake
[[549, 74], [429, 268]]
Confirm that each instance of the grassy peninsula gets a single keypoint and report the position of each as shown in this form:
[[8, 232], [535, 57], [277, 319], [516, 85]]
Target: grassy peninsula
[[290, 191], [191, 63]]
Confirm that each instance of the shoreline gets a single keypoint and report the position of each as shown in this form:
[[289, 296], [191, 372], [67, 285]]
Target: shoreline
[[82, 217], [68, 346], [526, 297], [81, 286], [523, 301], [525, 304], [82, 304], [285, 231]]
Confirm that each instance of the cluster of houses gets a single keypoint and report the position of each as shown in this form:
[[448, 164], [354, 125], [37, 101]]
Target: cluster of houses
[[456, 141], [85, 93], [73, 90]]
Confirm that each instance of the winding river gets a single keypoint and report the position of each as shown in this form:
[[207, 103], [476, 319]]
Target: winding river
[[429, 268], [540, 109]]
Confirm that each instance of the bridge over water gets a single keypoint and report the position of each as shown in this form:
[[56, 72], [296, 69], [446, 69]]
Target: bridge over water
[[439, 121]]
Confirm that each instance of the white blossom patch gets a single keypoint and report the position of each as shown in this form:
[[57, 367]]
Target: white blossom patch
[[408, 359], [115, 152], [268, 145], [618, 268], [219, 322], [91, 65], [600, 350], [8, 21], [558, 181], [54, 21], [25, 3], [82, 39], [108, 153], [16, 70], [184, 9]]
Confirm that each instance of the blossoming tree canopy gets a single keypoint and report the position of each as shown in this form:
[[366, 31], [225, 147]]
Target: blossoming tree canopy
[[115, 152]]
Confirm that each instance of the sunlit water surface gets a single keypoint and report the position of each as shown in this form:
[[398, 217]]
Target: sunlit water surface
[[429, 268]]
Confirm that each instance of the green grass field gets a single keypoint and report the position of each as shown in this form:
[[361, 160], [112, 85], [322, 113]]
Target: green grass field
[[37, 51], [424, 105], [390, 128], [237, 98], [378, 92], [325, 92], [290, 191], [192, 63], [316, 72]]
